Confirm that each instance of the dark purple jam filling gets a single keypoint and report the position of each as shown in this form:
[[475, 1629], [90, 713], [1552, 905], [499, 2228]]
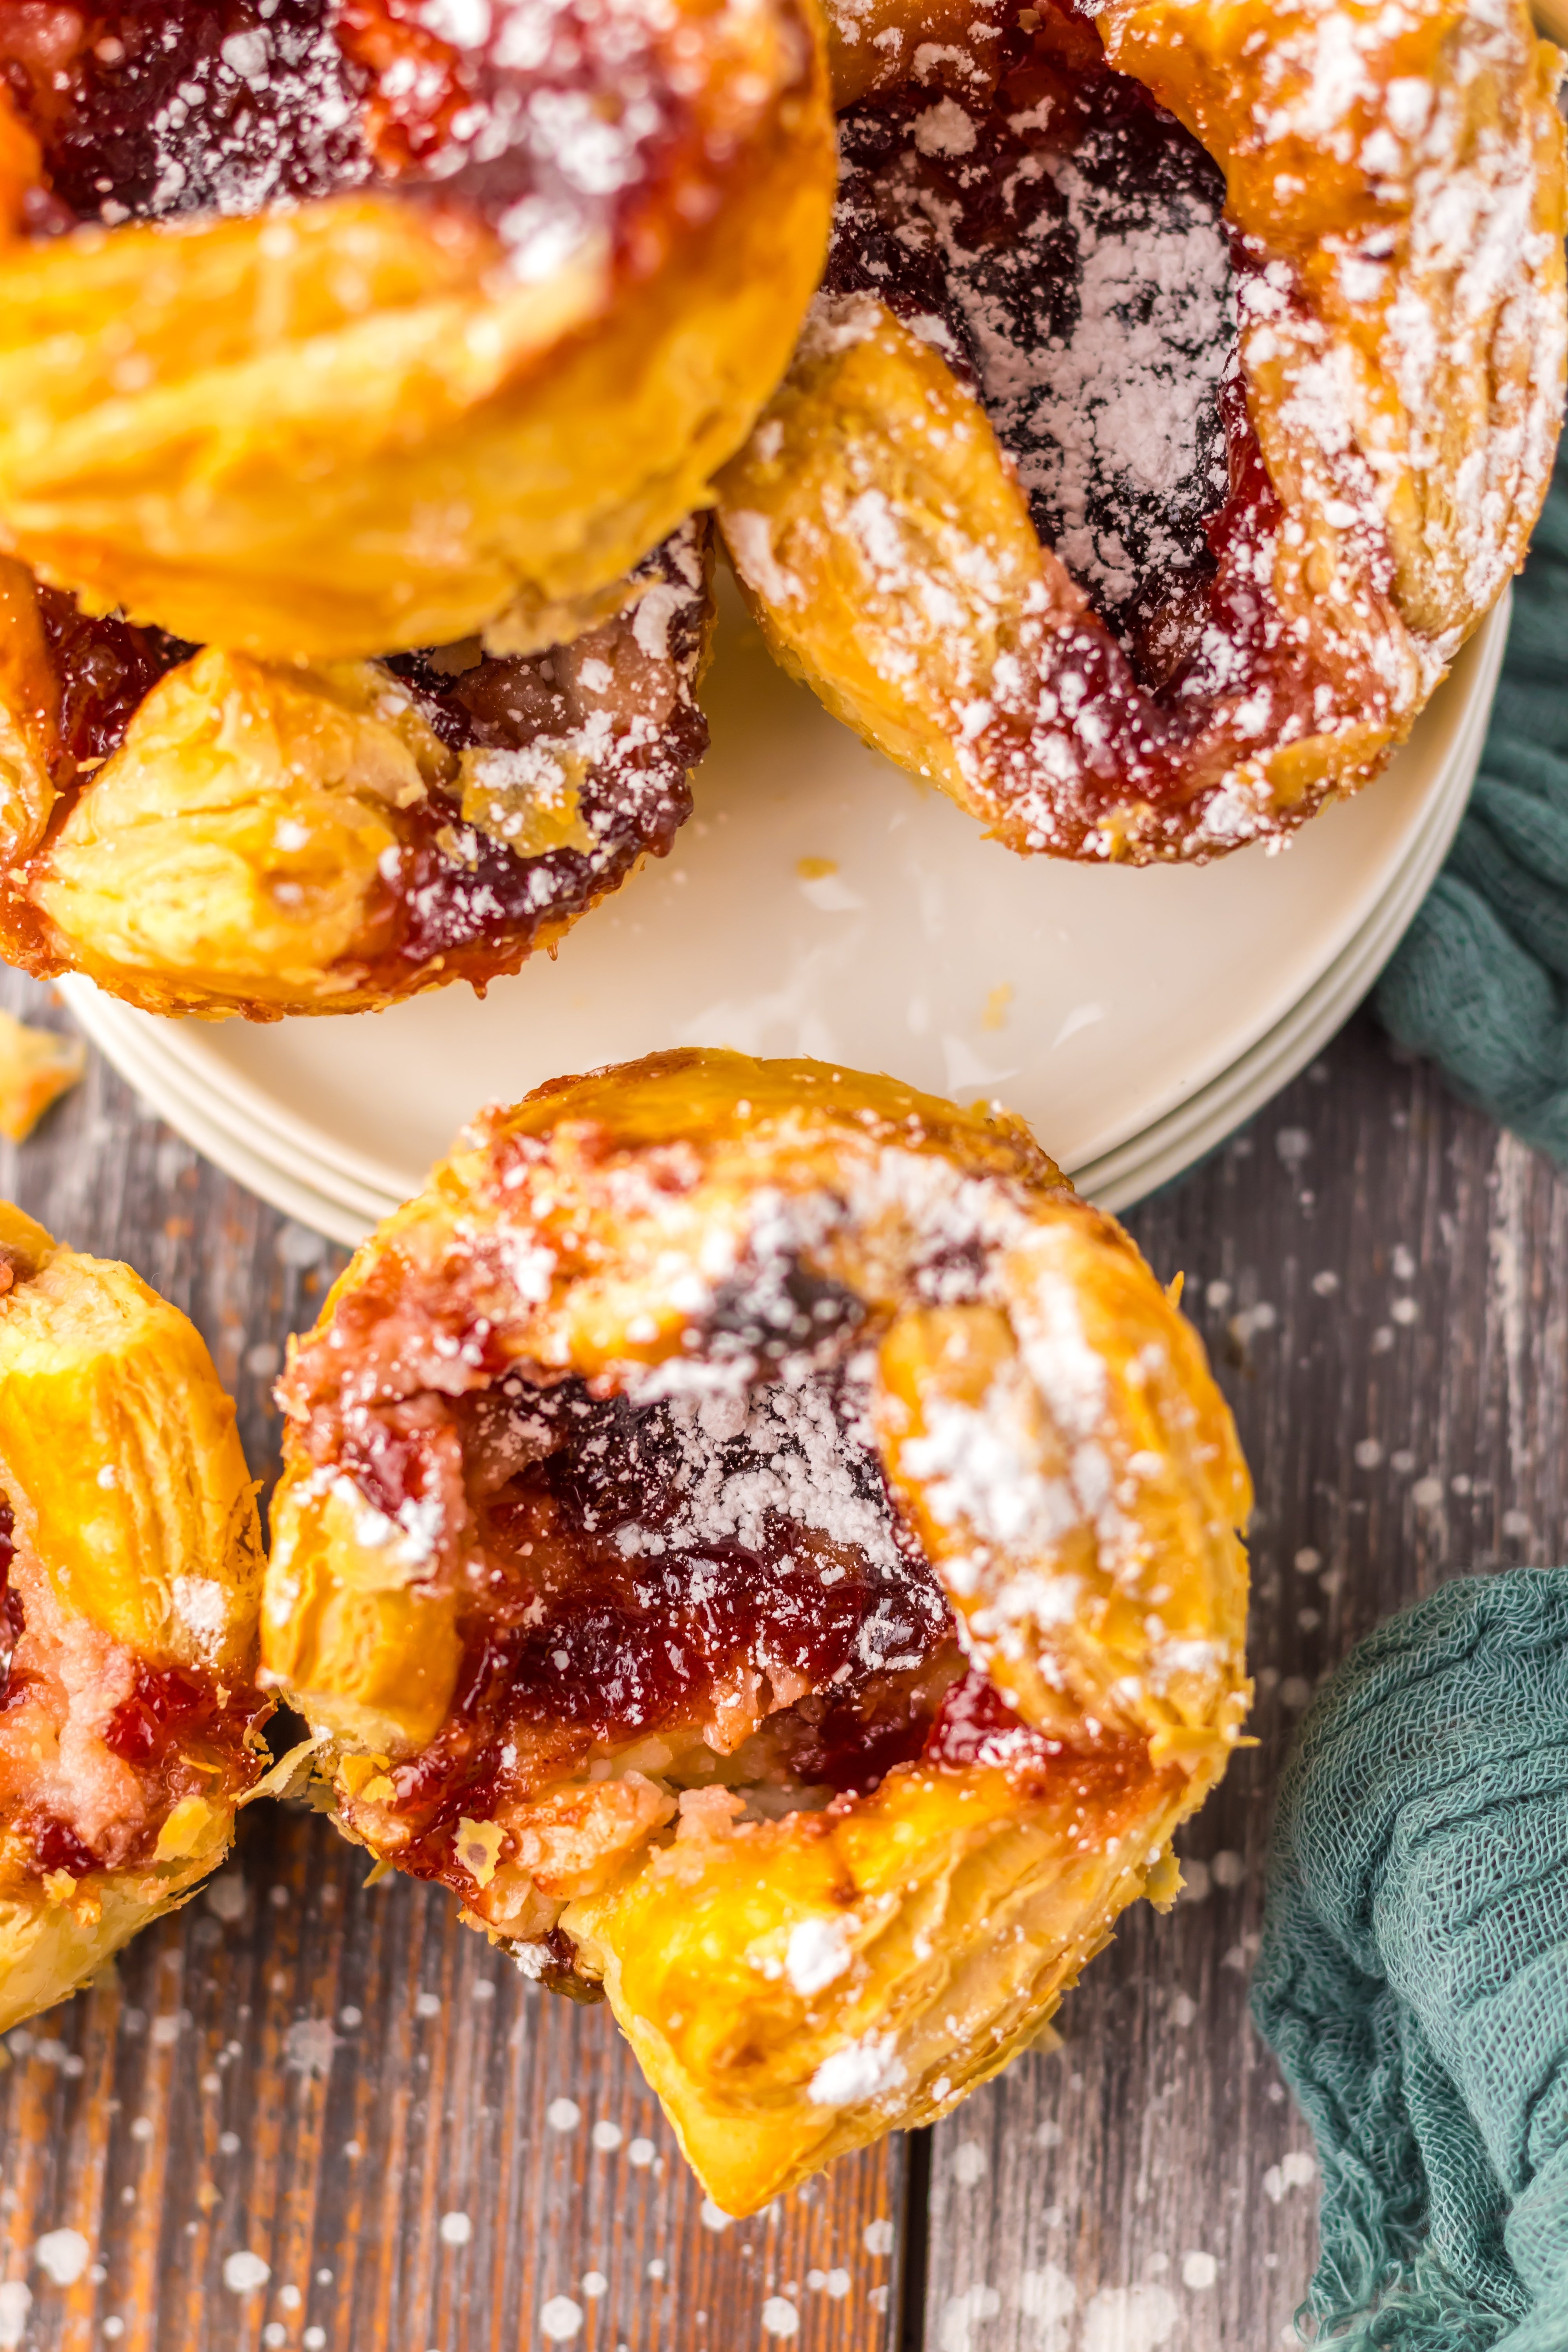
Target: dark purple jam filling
[[1062, 244]]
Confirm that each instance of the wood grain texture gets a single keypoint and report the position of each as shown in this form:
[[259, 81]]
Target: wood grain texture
[[344, 2086], [1383, 1281]]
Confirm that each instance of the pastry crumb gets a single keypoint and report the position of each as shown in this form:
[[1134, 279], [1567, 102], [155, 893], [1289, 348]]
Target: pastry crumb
[[37, 1066]]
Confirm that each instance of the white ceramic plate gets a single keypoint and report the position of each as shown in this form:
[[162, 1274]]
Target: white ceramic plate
[[1196, 1126], [1121, 1012]]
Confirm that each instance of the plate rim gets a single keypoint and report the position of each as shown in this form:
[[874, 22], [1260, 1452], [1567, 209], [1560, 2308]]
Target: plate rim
[[1192, 1127], [225, 1114]]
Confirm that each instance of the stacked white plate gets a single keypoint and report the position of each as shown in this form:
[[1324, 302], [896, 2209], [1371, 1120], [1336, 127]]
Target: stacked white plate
[[820, 903]]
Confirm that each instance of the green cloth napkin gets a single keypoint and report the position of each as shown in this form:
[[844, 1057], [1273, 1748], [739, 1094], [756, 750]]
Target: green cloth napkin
[[1413, 1976], [1481, 982]]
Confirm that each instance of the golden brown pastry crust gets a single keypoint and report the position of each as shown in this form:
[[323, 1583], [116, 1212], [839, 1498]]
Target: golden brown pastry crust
[[1398, 218], [130, 1724], [796, 1977], [269, 839], [37, 1066], [355, 426]]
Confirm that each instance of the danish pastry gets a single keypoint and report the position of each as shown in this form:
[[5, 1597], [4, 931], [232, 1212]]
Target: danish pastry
[[770, 1549], [330, 328], [130, 1579], [1184, 389], [200, 832]]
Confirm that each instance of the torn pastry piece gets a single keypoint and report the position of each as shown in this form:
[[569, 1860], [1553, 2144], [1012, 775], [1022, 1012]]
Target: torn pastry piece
[[130, 1579], [330, 328], [37, 1066], [770, 1549], [1183, 389], [203, 832]]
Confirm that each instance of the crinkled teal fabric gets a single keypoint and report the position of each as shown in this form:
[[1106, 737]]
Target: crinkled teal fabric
[[1413, 1978], [1480, 981]]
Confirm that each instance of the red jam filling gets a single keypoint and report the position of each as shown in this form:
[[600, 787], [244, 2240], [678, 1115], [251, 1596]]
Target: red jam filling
[[167, 1709], [1061, 242], [637, 1574], [182, 1733], [180, 1730], [974, 1725], [104, 669], [56, 1846], [461, 893], [555, 124], [12, 1621]]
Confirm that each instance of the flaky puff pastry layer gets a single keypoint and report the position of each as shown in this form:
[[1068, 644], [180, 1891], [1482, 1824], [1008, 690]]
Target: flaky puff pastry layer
[[130, 1728], [794, 1986], [271, 838], [348, 428], [1394, 183]]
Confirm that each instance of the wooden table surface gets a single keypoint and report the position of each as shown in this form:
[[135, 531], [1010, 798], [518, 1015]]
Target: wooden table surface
[[307, 2113]]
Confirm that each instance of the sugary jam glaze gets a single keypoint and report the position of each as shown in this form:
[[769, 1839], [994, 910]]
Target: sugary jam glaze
[[428, 206], [129, 1570], [206, 834], [1175, 405], [735, 1471]]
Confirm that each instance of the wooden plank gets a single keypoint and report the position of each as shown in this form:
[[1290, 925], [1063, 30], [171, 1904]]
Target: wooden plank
[[1383, 1281], [305, 2115], [333, 2109], [1401, 1395]]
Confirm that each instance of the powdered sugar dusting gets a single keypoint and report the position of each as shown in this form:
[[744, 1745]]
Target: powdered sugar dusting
[[819, 1952], [860, 2071], [201, 1604], [1128, 399], [979, 1471], [738, 1461], [1097, 325]]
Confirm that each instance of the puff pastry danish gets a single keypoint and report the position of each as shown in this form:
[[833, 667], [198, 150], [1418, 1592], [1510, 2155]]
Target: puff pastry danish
[[130, 1579], [200, 832], [1184, 388], [334, 327], [770, 1549]]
